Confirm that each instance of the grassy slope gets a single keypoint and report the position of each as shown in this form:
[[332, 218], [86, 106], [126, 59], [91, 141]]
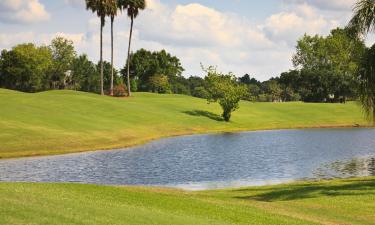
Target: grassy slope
[[65, 121], [328, 202]]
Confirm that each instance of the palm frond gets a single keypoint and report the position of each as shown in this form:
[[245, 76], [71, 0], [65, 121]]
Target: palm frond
[[363, 20]]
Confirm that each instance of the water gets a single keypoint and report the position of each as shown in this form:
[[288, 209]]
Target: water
[[211, 161]]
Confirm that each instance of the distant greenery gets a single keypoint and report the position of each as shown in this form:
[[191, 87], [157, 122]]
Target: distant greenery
[[31, 68], [327, 69], [327, 202]]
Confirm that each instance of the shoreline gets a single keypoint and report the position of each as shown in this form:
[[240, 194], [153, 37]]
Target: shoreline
[[117, 147]]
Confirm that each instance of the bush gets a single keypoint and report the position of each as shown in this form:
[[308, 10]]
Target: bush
[[200, 92], [120, 90]]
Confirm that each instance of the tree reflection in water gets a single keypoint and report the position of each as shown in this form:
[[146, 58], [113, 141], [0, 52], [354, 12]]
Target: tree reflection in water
[[357, 167]]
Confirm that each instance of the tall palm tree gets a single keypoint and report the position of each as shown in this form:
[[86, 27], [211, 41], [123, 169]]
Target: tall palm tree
[[100, 7], [133, 7], [363, 20], [112, 12], [361, 24]]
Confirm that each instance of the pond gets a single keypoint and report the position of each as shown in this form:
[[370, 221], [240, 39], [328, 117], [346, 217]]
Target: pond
[[200, 162]]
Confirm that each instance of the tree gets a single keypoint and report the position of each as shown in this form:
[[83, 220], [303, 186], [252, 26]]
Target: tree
[[145, 64], [367, 83], [330, 63], [107, 76], [100, 7], [160, 84], [132, 7], [224, 89], [112, 12], [24, 68], [85, 76], [363, 22], [63, 54]]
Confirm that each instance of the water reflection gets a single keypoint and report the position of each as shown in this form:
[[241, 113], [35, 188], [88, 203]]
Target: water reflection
[[357, 167]]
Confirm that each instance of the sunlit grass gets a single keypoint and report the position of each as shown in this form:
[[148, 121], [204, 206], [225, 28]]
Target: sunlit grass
[[58, 122], [328, 202]]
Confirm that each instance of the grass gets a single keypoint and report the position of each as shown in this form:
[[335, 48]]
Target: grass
[[327, 202], [57, 122]]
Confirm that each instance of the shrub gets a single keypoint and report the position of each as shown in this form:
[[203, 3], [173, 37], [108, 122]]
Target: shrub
[[120, 90]]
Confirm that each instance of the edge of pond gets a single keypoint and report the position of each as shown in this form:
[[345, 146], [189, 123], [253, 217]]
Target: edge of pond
[[120, 147]]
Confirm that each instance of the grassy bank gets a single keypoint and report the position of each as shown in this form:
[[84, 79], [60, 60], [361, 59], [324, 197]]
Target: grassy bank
[[328, 202], [58, 122]]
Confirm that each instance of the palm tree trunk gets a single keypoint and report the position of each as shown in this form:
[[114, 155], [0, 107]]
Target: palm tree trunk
[[128, 61], [101, 57], [111, 91]]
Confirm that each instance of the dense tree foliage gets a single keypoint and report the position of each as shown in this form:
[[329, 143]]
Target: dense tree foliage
[[145, 64], [30, 68], [224, 89], [25, 68]]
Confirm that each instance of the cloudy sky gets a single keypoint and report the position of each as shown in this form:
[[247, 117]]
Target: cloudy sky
[[241, 36]]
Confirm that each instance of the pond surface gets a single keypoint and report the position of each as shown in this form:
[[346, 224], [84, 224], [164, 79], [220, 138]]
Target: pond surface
[[211, 161]]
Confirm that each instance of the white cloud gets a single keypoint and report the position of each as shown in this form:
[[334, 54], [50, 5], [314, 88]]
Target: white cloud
[[288, 26], [22, 11]]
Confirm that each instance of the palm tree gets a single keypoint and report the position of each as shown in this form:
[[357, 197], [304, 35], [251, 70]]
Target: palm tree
[[363, 20], [133, 8], [112, 12], [100, 7], [361, 24]]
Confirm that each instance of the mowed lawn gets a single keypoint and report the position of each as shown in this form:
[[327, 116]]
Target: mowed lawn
[[328, 202], [56, 122]]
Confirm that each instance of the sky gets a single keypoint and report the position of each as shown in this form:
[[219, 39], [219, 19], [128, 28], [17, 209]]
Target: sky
[[239, 36]]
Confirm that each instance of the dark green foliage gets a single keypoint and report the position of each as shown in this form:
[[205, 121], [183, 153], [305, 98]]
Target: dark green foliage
[[25, 67], [107, 76], [63, 54], [85, 76], [159, 84], [145, 64], [367, 83], [224, 89]]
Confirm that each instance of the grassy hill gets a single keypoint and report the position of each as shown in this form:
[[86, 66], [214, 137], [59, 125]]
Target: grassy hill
[[328, 202], [58, 122]]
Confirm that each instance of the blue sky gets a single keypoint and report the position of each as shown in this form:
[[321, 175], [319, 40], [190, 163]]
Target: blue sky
[[241, 36]]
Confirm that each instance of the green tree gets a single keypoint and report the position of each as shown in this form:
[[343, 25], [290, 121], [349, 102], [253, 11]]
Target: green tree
[[224, 89], [107, 76], [363, 22], [160, 84], [133, 7], [85, 76], [63, 54], [101, 8], [330, 63], [145, 64], [24, 68], [112, 12], [367, 83]]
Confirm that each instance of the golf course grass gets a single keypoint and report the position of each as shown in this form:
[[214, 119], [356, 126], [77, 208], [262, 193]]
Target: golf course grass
[[57, 122], [327, 202]]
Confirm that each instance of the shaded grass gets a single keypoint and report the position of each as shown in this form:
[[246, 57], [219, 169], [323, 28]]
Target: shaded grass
[[353, 202], [57, 122]]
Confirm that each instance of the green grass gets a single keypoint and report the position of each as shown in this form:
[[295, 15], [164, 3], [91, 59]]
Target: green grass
[[327, 202], [57, 122]]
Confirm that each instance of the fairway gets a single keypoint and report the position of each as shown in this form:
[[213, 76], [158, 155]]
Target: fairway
[[328, 202], [57, 122]]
